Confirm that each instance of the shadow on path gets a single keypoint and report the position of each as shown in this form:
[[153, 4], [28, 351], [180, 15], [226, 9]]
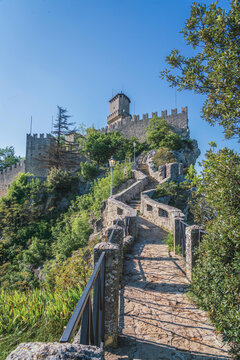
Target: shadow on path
[[157, 320]]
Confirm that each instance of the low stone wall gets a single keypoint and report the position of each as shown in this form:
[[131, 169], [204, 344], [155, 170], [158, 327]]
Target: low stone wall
[[166, 172], [160, 214], [117, 208], [130, 193]]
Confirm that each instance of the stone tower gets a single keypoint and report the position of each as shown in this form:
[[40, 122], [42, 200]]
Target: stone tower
[[119, 108]]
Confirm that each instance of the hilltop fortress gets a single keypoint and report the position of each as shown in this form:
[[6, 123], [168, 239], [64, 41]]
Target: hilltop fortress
[[119, 119]]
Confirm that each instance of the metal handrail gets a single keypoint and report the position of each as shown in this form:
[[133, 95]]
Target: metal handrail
[[92, 326]]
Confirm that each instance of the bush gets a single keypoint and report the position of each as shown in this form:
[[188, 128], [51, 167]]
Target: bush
[[71, 233], [60, 180], [167, 188], [163, 156], [160, 135], [88, 171], [216, 277], [171, 141], [169, 240]]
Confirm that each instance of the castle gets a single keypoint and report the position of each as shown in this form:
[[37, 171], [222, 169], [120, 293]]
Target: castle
[[118, 120], [121, 120]]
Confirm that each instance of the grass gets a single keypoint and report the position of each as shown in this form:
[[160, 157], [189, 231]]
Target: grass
[[169, 240], [37, 315]]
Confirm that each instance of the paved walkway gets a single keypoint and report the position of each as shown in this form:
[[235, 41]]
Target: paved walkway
[[157, 321]]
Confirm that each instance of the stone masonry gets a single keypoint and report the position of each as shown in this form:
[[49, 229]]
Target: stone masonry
[[8, 175], [157, 320], [133, 126]]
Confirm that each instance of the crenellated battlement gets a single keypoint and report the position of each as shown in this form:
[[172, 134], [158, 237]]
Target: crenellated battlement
[[20, 165], [134, 126], [8, 175], [39, 136]]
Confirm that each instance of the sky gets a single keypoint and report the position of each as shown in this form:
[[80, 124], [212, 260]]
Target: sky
[[78, 53]]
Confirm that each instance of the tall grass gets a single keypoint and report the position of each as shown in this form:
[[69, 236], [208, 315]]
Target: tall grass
[[36, 315]]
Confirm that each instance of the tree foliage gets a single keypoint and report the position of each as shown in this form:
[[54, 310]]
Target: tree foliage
[[216, 278], [160, 135], [63, 151], [8, 157], [214, 70], [100, 147]]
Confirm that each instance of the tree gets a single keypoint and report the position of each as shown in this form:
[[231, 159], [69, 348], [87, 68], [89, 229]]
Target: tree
[[8, 157], [100, 147], [63, 151], [214, 35], [159, 135]]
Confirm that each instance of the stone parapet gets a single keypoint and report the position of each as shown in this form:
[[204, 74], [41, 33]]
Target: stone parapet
[[114, 235], [111, 295], [160, 214]]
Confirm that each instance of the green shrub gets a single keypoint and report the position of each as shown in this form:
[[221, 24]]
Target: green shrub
[[71, 233], [169, 240], [165, 189], [159, 135], [216, 277], [163, 156], [88, 171], [60, 180], [171, 141]]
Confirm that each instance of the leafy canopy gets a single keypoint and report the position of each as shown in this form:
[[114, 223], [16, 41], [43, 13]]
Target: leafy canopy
[[160, 135], [214, 70], [100, 147], [8, 157]]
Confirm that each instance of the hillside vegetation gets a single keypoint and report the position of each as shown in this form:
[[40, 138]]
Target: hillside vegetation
[[45, 255]]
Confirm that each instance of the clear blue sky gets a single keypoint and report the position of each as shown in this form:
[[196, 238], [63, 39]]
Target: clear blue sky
[[76, 53]]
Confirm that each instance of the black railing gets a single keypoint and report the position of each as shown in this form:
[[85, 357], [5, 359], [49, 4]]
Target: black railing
[[89, 309]]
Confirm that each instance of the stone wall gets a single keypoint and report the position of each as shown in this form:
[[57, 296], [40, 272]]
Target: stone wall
[[160, 214], [37, 148], [8, 175], [117, 207], [134, 126]]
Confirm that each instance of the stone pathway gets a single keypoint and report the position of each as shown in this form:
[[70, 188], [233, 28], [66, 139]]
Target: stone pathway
[[157, 320]]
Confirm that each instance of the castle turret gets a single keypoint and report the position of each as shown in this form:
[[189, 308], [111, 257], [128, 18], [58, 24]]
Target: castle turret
[[119, 108]]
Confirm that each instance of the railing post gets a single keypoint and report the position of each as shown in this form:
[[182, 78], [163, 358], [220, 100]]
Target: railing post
[[192, 243], [115, 236], [111, 293]]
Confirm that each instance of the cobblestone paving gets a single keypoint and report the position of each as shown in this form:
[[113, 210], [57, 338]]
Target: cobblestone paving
[[157, 321]]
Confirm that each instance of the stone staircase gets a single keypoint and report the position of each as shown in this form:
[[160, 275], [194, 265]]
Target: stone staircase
[[152, 183], [135, 203]]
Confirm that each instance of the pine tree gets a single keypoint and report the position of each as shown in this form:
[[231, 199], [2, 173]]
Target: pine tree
[[63, 151]]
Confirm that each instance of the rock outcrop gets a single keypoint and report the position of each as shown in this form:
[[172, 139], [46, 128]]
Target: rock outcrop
[[55, 351]]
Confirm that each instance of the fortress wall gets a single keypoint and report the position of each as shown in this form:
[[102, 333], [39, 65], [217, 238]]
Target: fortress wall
[[134, 126], [36, 146], [37, 149], [8, 175]]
